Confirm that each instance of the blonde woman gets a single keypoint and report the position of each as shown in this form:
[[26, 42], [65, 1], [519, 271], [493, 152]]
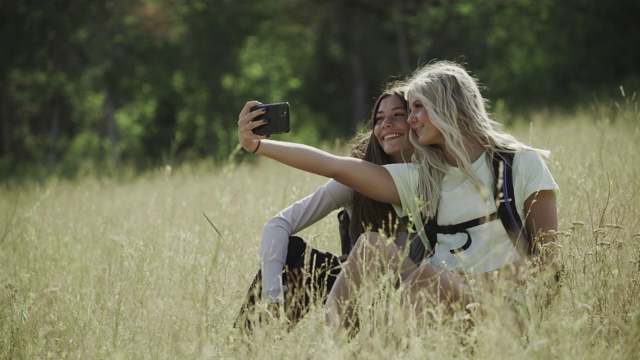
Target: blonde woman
[[450, 179]]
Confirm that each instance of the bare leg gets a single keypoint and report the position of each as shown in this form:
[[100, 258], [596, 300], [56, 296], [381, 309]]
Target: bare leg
[[372, 256], [436, 285]]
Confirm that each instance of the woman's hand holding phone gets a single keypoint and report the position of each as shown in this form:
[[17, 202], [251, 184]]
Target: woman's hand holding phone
[[258, 121], [277, 116], [248, 139]]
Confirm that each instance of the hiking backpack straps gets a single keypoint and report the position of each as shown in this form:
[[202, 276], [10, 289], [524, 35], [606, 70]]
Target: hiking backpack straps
[[343, 225], [504, 195]]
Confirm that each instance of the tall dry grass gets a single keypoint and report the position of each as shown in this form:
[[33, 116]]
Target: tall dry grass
[[102, 268]]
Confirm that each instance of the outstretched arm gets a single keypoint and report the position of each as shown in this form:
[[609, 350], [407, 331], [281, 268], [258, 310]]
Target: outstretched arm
[[371, 180]]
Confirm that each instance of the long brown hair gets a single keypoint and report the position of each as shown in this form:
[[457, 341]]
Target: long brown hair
[[368, 214]]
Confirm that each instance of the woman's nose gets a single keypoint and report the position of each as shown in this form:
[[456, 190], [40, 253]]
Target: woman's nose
[[411, 118]]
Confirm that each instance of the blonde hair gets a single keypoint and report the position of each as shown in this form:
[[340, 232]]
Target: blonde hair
[[456, 108]]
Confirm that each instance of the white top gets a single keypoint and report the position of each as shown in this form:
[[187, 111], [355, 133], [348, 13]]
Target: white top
[[460, 201]]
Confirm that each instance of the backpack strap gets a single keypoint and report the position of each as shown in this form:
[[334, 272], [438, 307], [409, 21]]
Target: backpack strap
[[343, 225], [504, 194], [507, 212], [431, 230]]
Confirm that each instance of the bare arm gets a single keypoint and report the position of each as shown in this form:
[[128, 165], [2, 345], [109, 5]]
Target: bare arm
[[371, 180], [542, 222]]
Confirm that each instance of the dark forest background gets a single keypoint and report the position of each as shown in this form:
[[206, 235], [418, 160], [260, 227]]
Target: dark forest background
[[104, 85]]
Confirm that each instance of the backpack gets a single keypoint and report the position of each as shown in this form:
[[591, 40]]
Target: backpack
[[504, 196]]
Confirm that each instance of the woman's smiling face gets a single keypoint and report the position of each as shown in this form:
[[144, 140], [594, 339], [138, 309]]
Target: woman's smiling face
[[428, 135], [392, 130]]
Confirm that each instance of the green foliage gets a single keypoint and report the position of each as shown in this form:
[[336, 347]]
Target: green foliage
[[162, 82]]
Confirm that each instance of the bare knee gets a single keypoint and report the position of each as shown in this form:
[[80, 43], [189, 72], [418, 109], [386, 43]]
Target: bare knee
[[366, 240], [365, 247], [437, 284], [424, 276]]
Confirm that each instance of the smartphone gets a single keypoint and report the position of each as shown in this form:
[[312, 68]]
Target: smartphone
[[278, 116]]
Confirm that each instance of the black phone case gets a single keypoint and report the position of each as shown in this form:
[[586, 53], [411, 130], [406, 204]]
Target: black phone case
[[278, 115]]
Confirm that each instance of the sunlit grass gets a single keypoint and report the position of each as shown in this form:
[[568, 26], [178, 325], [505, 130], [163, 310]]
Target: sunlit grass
[[100, 268]]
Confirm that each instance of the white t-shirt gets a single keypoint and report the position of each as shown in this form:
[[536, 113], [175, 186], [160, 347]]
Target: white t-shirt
[[461, 201]]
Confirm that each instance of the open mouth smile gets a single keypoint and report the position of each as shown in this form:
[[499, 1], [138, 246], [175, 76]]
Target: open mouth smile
[[389, 137]]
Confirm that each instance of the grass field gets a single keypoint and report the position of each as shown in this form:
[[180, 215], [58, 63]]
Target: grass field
[[103, 268]]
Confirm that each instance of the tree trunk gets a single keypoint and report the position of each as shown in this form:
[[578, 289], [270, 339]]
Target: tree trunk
[[52, 155], [4, 118], [401, 37], [210, 137], [359, 89], [112, 129], [351, 22]]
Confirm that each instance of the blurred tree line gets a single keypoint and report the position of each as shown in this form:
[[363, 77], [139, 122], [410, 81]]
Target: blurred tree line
[[98, 85]]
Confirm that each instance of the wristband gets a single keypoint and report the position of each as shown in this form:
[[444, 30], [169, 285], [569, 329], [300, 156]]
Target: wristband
[[257, 147]]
